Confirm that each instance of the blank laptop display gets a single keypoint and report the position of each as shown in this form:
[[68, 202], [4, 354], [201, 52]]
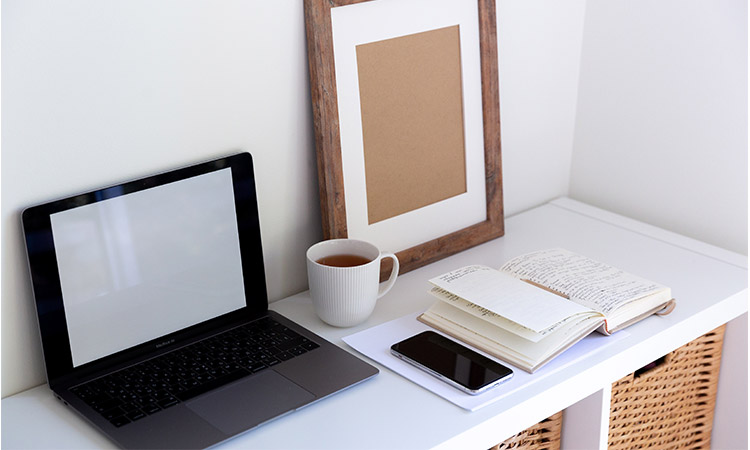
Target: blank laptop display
[[147, 259]]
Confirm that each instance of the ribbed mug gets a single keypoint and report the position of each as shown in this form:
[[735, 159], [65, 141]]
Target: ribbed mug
[[346, 296]]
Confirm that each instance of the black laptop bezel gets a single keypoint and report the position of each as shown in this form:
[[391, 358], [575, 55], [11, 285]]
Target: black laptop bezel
[[45, 277]]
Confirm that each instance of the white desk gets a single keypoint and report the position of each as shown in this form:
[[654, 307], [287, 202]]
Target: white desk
[[389, 411]]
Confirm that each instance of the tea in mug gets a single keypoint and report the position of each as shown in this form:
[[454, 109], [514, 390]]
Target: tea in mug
[[345, 260]]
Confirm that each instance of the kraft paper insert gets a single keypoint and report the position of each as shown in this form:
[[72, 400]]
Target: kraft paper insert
[[412, 121]]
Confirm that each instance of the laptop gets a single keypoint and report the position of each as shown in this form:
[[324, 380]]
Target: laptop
[[153, 312]]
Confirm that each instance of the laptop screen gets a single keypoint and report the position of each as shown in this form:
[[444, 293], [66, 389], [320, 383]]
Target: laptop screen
[[142, 265], [147, 265]]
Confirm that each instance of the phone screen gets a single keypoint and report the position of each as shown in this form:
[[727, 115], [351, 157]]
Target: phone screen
[[452, 362]]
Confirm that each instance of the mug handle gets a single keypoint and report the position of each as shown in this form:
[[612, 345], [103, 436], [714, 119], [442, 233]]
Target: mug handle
[[394, 273]]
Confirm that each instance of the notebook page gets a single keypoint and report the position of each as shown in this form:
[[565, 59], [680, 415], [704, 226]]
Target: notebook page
[[591, 283], [503, 294]]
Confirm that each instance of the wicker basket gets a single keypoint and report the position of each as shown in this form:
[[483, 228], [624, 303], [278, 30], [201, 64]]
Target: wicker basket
[[543, 436], [669, 403]]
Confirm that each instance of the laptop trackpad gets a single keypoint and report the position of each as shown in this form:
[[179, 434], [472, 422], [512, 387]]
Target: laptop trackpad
[[250, 402]]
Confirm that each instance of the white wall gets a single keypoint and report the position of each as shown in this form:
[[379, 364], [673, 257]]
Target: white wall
[[540, 50], [661, 126], [99, 91]]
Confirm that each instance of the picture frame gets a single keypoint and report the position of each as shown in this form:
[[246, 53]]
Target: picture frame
[[336, 65]]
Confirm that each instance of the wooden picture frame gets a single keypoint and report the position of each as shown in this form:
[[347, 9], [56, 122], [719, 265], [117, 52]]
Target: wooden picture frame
[[328, 135]]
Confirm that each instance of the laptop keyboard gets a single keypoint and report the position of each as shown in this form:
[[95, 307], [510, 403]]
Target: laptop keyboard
[[159, 383]]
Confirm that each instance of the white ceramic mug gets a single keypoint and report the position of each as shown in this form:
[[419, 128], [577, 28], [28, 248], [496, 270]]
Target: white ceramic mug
[[345, 296]]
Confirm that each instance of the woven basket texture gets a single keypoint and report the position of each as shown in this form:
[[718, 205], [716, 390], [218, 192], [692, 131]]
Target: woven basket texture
[[671, 405], [543, 436]]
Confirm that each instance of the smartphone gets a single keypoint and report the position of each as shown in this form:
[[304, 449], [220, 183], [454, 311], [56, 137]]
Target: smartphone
[[452, 362]]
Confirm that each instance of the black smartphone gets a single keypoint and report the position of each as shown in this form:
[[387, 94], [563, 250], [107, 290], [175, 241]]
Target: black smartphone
[[451, 362]]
